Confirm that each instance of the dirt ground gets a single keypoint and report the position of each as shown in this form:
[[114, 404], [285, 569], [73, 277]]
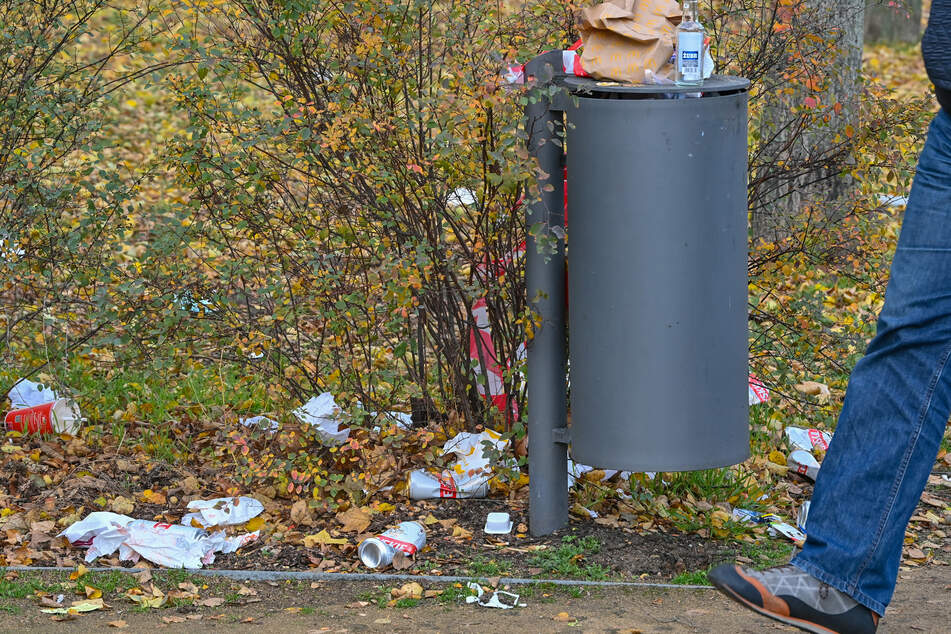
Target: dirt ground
[[922, 604]]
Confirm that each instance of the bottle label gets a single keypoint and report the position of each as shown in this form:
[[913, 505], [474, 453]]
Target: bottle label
[[689, 56]]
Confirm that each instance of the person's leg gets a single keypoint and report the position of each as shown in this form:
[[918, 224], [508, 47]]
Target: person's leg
[[892, 421], [896, 406]]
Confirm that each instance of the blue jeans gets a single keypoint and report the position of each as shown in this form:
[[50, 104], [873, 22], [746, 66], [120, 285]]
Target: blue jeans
[[896, 405]]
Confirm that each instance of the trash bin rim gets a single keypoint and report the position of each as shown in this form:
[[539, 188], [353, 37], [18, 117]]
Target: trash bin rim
[[712, 87]]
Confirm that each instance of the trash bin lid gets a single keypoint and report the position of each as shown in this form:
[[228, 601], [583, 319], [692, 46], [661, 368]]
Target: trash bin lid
[[595, 88]]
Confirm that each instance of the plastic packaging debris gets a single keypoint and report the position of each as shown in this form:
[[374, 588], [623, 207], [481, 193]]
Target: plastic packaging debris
[[222, 512], [260, 422], [803, 463], [170, 545], [775, 523], [60, 416], [26, 393], [378, 552], [803, 514], [494, 601], [498, 524], [893, 200], [467, 478], [576, 470], [758, 392], [321, 412], [808, 439], [188, 302], [81, 533]]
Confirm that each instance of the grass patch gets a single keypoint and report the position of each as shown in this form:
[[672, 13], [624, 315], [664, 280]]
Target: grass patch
[[568, 559], [482, 567], [695, 578], [25, 586], [768, 552]]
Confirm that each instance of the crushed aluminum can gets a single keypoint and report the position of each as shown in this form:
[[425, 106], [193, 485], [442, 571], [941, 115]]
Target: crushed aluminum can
[[378, 552], [803, 463]]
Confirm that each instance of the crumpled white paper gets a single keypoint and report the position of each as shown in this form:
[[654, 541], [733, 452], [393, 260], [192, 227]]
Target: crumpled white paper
[[808, 439], [170, 545], [262, 423], [321, 412], [494, 601], [27, 393], [222, 511]]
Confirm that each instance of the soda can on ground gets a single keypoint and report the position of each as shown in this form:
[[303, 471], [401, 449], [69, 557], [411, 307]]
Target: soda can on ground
[[378, 552]]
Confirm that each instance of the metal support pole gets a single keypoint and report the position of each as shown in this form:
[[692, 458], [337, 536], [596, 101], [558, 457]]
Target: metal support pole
[[545, 282]]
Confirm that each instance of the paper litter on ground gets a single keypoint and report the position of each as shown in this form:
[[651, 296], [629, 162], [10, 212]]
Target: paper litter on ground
[[170, 545], [494, 601], [468, 477], [27, 393], [808, 439], [322, 413], [221, 512]]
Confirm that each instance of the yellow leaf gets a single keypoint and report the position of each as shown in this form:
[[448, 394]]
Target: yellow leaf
[[255, 523], [461, 533], [323, 537], [777, 457], [79, 572], [92, 593], [430, 519]]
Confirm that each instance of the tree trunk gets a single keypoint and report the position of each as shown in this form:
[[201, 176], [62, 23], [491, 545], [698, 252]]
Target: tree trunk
[[801, 167], [893, 21]]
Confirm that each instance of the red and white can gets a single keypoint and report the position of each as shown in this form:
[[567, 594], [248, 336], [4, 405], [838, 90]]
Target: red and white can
[[60, 417], [378, 552]]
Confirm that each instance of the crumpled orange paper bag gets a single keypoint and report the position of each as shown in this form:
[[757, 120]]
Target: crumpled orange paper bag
[[625, 38]]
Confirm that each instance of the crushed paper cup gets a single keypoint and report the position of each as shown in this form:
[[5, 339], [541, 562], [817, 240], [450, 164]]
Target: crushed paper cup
[[494, 601], [378, 552], [26, 393], [757, 391], [60, 416], [425, 485], [808, 439], [322, 413], [803, 463], [222, 511]]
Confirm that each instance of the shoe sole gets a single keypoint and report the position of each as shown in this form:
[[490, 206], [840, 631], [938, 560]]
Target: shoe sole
[[788, 620]]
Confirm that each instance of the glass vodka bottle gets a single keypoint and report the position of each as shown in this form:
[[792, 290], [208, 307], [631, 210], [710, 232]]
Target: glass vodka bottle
[[690, 36]]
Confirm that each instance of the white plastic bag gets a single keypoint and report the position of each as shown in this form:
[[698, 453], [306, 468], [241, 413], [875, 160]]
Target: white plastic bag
[[81, 533]]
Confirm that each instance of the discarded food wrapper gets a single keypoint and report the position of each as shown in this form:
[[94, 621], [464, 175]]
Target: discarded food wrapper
[[624, 38], [468, 477], [787, 530], [222, 512], [758, 392], [60, 417], [81, 533], [494, 601], [322, 413], [170, 545], [808, 439], [774, 522], [803, 463], [378, 552], [803, 514], [498, 524], [260, 422], [26, 393]]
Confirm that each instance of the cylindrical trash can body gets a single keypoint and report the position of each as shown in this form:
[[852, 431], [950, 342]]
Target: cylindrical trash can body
[[657, 270]]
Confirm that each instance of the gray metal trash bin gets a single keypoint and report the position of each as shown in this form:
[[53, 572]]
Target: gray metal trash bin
[[657, 270]]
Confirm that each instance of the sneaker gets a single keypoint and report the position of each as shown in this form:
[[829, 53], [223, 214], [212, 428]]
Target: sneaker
[[788, 594]]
